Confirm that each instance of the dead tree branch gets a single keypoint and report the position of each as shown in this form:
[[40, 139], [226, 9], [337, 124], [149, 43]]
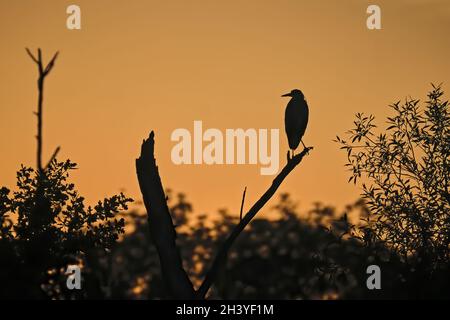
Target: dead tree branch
[[160, 222], [242, 204], [223, 251], [163, 231], [43, 72]]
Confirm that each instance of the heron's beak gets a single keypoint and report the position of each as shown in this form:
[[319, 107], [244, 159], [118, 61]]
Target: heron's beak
[[286, 95]]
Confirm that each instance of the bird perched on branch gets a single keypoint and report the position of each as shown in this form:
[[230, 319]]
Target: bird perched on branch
[[295, 118]]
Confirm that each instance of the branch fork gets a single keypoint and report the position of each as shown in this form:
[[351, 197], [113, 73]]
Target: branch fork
[[163, 232], [43, 72]]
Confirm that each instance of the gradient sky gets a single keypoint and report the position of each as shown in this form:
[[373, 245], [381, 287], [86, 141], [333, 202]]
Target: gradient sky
[[139, 65]]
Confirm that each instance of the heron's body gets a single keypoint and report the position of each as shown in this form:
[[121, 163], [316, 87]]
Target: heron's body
[[296, 118]]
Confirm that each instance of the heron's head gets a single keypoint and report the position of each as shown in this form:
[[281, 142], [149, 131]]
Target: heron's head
[[295, 94]]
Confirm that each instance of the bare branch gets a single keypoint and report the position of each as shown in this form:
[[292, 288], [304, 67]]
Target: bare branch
[[32, 56], [41, 70], [50, 65], [223, 251], [53, 157], [242, 204], [42, 74]]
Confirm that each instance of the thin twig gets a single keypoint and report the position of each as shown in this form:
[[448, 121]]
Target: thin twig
[[31, 56], [50, 65], [242, 204], [53, 157]]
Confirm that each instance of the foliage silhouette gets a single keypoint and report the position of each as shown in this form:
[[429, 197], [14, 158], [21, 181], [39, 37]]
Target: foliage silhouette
[[405, 174], [301, 255]]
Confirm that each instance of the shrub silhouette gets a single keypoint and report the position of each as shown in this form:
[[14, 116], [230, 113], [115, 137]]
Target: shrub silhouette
[[405, 174], [45, 226]]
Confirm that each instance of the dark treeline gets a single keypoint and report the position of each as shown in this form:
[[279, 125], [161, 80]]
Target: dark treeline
[[298, 255]]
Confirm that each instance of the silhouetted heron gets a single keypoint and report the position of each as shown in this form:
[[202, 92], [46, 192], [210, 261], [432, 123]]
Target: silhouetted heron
[[295, 118]]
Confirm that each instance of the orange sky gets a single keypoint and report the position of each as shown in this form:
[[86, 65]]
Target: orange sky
[[141, 65]]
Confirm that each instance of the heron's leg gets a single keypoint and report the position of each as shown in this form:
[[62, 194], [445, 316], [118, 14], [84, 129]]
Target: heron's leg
[[303, 144]]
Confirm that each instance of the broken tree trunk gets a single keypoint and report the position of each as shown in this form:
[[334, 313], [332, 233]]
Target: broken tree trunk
[[178, 285]]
